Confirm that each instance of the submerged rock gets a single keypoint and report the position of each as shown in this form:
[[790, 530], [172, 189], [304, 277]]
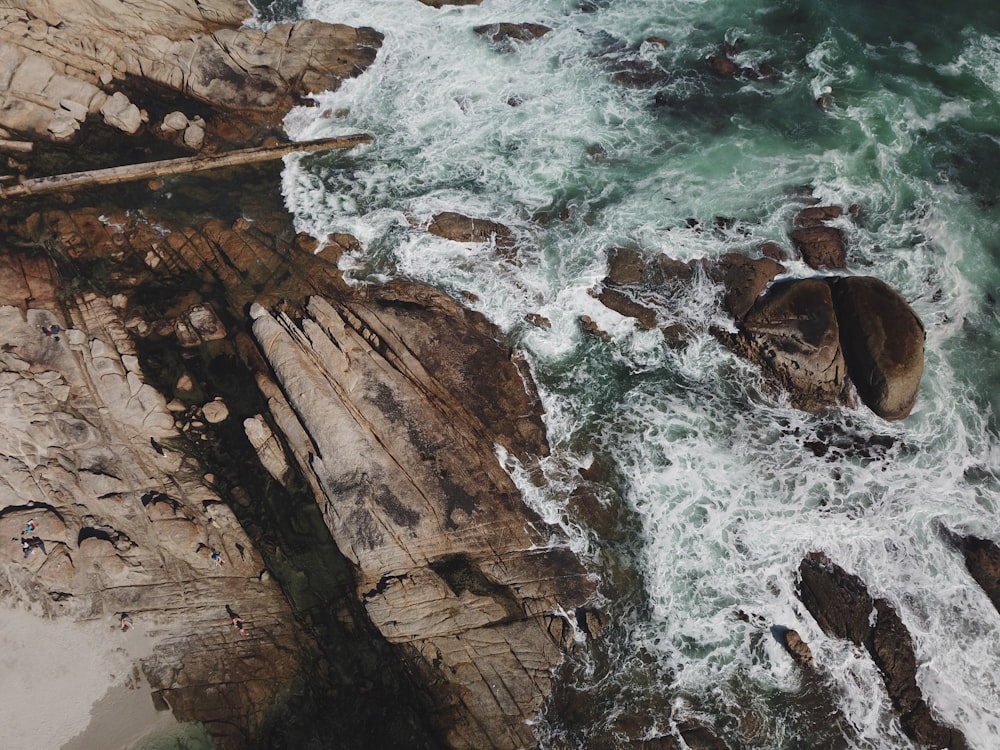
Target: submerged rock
[[512, 32], [982, 560], [460, 228]]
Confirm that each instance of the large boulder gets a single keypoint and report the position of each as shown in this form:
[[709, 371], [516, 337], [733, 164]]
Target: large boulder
[[793, 333], [883, 341]]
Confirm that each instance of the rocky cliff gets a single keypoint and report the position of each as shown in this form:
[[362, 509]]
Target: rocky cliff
[[134, 329], [119, 518]]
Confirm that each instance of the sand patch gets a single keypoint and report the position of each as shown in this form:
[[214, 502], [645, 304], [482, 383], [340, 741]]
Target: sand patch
[[54, 673]]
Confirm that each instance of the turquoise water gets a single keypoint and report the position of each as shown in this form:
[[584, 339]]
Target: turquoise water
[[722, 495]]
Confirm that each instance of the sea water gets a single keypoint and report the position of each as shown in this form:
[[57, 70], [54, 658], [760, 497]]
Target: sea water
[[892, 106]]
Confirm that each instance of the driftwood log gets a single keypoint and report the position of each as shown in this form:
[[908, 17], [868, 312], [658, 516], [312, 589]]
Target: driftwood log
[[70, 181]]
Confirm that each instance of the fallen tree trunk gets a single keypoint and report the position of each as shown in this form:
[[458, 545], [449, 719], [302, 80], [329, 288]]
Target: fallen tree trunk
[[185, 165], [21, 147]]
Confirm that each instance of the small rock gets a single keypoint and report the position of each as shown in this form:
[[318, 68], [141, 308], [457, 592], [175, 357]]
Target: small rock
[[184, 384], [175, 122], [460, 228], [821, 246], [194, 136], [119, 112], [590, 326], [76, 110], [205, 322], [63, 127], [797, 647], [505, 32], [215, 411]]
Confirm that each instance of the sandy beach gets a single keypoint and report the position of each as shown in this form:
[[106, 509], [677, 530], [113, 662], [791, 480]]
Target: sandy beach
[[77, 686]]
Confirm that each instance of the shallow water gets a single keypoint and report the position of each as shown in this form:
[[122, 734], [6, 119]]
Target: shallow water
[[717, 475]]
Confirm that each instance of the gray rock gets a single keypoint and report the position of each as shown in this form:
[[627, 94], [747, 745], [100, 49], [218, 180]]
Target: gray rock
[[119, 112]]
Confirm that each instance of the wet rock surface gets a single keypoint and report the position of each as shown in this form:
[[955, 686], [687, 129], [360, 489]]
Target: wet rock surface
[[823, 341], [843, 608]]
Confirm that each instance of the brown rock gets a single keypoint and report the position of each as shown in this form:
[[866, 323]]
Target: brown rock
[[626, 265], [537, 320], [624, 304], [512, 32], [842, 607], [772, 250], [398, 399], [590, 326], [460, 228], [793, 333], [797, 647], [723, 67], [821, 246], [982, 559], [883, 342], [813, 215], [744, 279]]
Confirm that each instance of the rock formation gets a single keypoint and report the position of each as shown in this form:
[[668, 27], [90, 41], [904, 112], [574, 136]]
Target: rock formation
[[815, 338], [63, 65], [390, 404], [123, 520], [843, 608], [398, 400]]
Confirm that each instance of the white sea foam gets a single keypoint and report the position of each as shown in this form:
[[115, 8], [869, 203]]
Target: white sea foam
[[724, 478]]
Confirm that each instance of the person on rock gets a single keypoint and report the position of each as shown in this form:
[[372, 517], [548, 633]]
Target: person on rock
[[126, 622], [217, 557], [237, 621], [26, 547], [29, 526]]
